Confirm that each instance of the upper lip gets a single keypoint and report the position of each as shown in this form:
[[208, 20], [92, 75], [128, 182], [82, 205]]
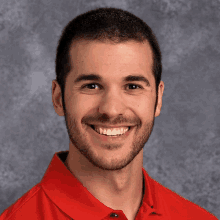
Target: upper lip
[[112, 126]]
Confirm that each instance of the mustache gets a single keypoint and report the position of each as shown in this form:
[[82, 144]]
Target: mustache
[[105, 120]]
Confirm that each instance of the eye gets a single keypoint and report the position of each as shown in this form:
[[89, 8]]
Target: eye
[[89, 85], [130, 86], [135, 85]]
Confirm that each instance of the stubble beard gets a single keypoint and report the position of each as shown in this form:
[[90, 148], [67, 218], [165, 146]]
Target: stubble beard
[[80, 141]]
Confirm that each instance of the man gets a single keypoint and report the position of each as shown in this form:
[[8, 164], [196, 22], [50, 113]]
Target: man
[[109, 89]]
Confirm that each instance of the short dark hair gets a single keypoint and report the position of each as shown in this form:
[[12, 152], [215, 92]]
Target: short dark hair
[[105, 24]]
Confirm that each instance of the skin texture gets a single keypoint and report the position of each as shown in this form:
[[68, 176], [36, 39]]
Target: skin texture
[[111, 170]]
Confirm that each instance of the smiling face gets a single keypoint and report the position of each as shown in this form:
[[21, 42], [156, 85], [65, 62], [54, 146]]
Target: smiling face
[[109, 98]]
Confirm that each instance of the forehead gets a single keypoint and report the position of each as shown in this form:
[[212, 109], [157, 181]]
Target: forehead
[[109, 51], [110, 59]]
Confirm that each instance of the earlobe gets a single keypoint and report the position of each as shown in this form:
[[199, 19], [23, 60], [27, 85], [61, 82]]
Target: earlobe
[[57, 98], [157, 112]]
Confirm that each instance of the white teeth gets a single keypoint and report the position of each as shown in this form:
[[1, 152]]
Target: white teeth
[[113, 131]]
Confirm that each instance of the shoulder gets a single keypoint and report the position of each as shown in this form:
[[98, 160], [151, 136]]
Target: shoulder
[[25, 205], [179, 206]]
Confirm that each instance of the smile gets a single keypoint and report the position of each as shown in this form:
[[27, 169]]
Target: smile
[[110, 138], [111, 131]]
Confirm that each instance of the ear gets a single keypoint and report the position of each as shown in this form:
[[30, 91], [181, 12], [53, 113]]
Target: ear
[[57, 98], [159, 101]]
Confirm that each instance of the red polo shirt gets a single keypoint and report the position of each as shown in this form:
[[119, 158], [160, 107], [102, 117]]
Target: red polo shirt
[[60, 195]]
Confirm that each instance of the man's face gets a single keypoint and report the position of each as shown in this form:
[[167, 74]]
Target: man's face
[[110, 101]]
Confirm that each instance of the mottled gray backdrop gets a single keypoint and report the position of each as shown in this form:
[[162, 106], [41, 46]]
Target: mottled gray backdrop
[[183, 152]]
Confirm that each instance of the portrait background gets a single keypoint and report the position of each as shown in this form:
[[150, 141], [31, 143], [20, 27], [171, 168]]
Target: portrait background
[[183, 152]]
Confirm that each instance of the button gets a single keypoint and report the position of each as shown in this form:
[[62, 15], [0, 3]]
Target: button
[[114, 215], [151, 206]]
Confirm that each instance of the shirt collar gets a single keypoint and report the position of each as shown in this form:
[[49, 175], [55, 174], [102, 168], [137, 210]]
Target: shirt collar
[[68, 193]]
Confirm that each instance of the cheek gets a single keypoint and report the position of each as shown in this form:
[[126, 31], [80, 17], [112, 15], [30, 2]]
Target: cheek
[[80, 106], [144, 104], [144, 109]]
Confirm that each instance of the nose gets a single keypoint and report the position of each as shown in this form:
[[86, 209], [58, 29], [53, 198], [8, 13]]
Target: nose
[[112, 104]]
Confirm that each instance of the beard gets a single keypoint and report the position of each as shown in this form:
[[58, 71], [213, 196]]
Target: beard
[[79, 138]]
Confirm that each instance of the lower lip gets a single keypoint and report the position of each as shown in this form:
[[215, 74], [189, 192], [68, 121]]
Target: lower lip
[[106, 138]]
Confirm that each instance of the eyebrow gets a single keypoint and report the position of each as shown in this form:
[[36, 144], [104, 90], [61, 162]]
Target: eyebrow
[[129, 78]]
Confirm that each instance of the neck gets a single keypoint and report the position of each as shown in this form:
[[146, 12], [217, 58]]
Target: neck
[[119, 190]]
